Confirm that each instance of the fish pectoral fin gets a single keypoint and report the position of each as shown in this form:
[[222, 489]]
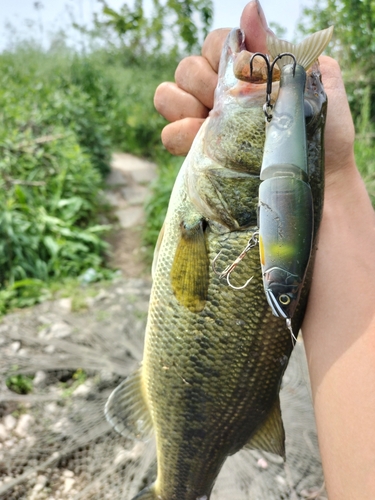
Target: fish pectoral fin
[[190, 268], [270, 436], [126, 409]]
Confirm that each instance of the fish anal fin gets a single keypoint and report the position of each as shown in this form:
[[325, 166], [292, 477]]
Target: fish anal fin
[[190, 268], [270, 436], [126, 409], [146, 494]]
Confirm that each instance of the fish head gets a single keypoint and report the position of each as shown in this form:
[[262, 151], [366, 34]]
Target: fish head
[[222, 180], [236, 129]]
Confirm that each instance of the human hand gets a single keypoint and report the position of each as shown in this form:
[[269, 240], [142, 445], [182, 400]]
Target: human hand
[[187, 102]]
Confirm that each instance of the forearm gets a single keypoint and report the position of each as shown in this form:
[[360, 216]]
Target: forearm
[[339, 334]]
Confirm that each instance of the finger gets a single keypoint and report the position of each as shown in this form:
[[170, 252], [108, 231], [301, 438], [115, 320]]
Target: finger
[[174, 103], [213, 45], [177, 137], [195, 75], [254, 23]]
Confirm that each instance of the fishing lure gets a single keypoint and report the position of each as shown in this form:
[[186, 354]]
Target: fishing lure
[[285, 209]]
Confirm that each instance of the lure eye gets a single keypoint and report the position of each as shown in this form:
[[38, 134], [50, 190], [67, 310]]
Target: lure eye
[[284, 299]]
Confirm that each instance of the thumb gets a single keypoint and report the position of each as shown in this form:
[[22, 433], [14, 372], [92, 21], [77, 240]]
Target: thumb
[[254, 24]]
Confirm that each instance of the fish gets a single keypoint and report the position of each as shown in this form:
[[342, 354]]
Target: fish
[[214, 352]]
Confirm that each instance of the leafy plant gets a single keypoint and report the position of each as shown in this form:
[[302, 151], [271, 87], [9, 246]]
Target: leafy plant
[[50, 190], [78, 378], [157, 205], [20, 384], [188, 22], [353, 45]]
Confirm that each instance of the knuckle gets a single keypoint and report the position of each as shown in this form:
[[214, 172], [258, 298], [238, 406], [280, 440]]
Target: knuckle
[[161, 96], [186, 69], [171, 140]]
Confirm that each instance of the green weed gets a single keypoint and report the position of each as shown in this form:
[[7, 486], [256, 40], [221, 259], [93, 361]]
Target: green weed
[[157, 205], [78, 378], [20, 384]]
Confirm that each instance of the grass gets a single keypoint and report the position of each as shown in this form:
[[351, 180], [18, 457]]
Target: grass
[[156, 207]]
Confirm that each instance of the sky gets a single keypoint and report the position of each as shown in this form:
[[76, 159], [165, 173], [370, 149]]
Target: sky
[[53, 14]]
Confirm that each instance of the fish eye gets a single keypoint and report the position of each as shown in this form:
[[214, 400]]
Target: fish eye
[[284, 299]]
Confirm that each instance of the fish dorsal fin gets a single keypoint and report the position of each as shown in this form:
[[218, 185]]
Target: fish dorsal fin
[[190, 268], [127, 411], [305, 52], [270, 436]]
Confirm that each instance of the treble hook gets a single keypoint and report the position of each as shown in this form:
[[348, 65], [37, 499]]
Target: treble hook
[[267, 108], [253, 241]]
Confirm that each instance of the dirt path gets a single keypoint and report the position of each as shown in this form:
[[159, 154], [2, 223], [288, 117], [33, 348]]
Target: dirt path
[[128, 189]]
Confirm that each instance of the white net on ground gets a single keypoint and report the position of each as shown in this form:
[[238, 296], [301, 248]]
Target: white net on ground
[[55, 442]]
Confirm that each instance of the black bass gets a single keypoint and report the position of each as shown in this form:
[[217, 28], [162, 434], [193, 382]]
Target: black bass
[[214, 355]]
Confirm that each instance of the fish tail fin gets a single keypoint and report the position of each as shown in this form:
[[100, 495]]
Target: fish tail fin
[[146, 494], [305, 52], [126, 409]]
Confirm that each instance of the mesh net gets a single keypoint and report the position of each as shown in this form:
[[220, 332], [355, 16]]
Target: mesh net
[[55, 442]]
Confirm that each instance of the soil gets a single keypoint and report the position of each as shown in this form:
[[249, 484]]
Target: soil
[[127, 253], [127, 190]]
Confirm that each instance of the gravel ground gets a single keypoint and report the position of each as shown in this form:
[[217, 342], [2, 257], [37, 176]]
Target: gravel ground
[[55, 442]]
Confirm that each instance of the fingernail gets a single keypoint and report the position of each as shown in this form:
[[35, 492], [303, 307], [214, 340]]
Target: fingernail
[[261, 15]]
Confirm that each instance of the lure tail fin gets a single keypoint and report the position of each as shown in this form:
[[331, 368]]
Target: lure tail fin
[[305, 52]]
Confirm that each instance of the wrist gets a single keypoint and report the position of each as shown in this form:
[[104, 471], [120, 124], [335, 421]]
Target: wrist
[[344, 186]]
